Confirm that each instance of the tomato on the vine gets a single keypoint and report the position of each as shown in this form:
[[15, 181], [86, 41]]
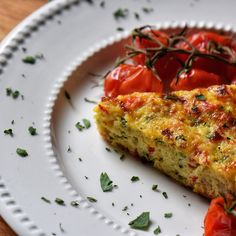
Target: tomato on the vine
[[205, 41], [127, 79], [167, 65], [219, 221], [195, 78]]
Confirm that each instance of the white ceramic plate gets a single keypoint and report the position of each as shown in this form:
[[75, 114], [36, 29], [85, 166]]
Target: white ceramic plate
[[64, 162]]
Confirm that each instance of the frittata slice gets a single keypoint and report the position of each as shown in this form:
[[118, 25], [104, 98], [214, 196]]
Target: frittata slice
[[188, 135]]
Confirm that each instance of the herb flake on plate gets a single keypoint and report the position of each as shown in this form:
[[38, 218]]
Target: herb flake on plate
[[105, 182], [8, 132], [168, 215], [157, 230], [60, 201], [91, 199], [141, 222], [21, 152], [121, 13], [29, 60], [45, 200], [134, 178], [32, 130]]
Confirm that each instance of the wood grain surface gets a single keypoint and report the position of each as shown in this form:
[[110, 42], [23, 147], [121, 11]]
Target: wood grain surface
[[12, 12]]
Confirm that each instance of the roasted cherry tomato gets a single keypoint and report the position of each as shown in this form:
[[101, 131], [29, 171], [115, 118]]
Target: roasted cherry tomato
[[195, 78], [205, 41], [127, 79], [219, 220], [167, 65]]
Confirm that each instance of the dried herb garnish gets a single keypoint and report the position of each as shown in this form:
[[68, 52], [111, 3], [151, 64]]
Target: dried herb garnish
[[105, 182], [60, 201], [157, 230], [86, 123], [45, 200], [79, 126], [120, 29], [21, 152], [8, 132], [136, 15], [32, 130], [165, 195], [168, 215], [121, 13], [29, 60], [90, 101], [147, 10], [91, 199], [74, 203], [154, 187], [141, 222], [134, 178]]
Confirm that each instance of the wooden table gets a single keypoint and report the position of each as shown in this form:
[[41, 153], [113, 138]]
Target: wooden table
[[11, 13]]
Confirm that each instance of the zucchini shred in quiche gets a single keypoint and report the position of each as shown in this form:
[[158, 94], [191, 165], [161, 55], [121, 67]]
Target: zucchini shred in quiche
[[188, 135]]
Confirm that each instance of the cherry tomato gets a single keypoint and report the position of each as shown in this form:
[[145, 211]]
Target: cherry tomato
[[166, 66], [142, 43], [127, 79], [217, 221], [195, 78], [203, 41]]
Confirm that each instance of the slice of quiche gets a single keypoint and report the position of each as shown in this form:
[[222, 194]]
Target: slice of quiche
[[188, 135]]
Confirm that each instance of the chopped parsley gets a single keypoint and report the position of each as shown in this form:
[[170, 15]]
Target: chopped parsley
[[105, 182], [59, 201], [8, 132], [168, 215], [120, 29], [90, 101], [141, 222], [200, 97], [8, 91], [32, 130], [45, 200], [21, 152], [137, 16], [134, 178], [157, 230], [91, 199], [79, 126], [154, 187], [74, 203], [108, 149], [14, 94], [147, 10], [121, 13], [29, 60], [86, 123], [165, 195], [125, 208]]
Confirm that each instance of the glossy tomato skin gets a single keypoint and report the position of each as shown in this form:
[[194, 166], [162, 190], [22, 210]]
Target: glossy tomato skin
[[195, 78], [217, 222], [126, 79], [168, 65], [201, 41]]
